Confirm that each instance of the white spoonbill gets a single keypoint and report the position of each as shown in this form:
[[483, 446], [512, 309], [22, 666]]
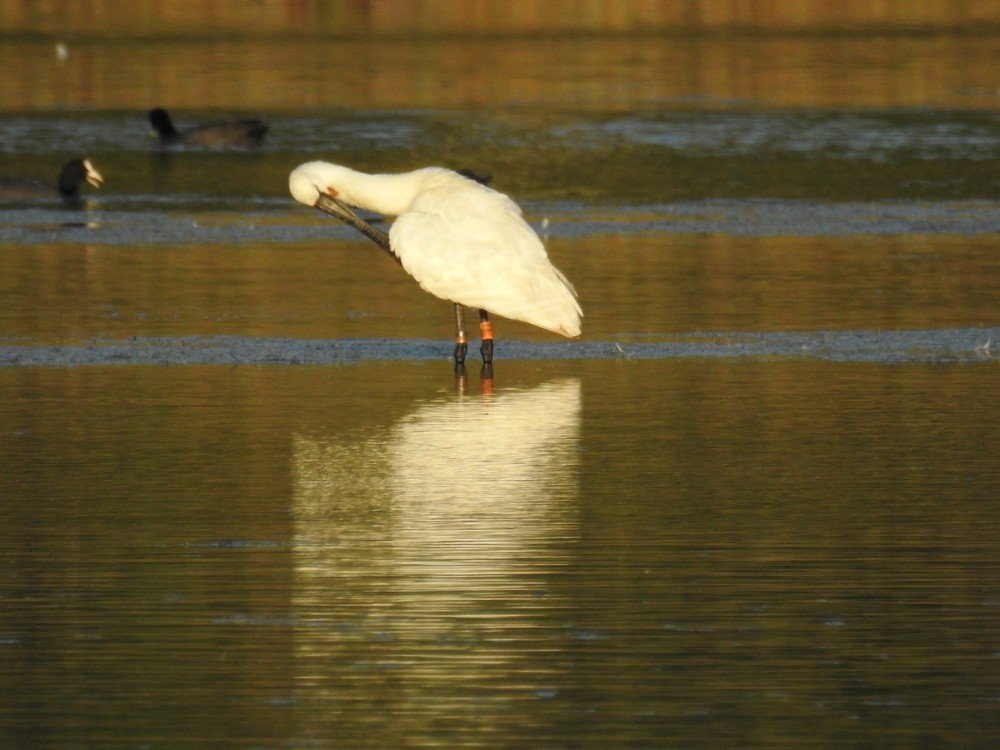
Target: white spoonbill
[[462, 242]]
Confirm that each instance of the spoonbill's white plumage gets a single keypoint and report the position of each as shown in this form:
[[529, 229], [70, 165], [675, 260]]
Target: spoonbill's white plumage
[[462, 241]]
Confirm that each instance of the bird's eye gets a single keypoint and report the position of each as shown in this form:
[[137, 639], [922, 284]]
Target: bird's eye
[[331, 191]]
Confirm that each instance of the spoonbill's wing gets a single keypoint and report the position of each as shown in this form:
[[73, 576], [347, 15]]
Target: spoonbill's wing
[[477, 250]]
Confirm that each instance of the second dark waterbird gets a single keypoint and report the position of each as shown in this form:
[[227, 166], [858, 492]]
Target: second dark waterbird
[[245, 132]]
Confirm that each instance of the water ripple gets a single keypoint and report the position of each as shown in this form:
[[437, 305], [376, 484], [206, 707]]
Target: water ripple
[[277, 220]]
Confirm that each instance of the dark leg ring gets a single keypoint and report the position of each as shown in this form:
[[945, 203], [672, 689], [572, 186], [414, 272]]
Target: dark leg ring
[[461, 342]]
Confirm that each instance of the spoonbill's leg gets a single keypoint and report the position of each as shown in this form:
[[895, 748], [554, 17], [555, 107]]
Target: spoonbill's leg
[[486, 332], [461, 342]]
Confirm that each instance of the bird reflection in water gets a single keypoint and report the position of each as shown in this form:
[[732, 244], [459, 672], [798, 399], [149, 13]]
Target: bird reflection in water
[[428, 551]]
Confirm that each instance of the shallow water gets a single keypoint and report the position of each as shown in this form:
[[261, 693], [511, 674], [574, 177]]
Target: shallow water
[[246, 502], [709, 552]]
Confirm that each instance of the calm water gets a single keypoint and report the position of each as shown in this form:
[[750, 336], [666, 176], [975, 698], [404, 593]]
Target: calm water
[[689, 552], [245, 502]]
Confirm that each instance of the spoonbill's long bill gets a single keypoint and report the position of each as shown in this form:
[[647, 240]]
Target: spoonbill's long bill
[[462, 242]]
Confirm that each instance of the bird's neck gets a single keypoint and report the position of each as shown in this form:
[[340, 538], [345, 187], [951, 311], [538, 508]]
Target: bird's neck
[[388, 194]]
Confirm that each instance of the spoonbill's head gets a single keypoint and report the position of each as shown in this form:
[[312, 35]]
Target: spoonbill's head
[[313, 184], [321, 184], [314, 178], [306, 184]]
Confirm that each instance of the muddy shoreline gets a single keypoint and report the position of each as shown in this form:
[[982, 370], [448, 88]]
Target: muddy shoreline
[[938, 345]]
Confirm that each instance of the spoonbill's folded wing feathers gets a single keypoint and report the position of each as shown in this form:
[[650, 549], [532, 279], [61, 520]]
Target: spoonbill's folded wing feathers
[[477, 250]]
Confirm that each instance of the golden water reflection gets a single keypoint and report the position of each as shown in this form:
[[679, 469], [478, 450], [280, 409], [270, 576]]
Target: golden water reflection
[[659, 284], [393, 17], [552, 73], [715, 552], [423, 552]]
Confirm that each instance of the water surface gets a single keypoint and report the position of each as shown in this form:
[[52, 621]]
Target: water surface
[[710, 551], [246, 502]]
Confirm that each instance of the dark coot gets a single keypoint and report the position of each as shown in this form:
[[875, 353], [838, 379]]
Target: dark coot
[[221, 133], [73, 174]]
